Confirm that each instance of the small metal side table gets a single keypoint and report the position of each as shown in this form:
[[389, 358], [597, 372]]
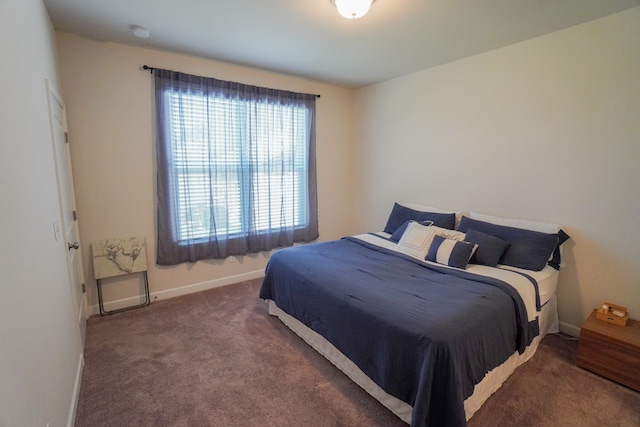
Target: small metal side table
[[118, 257]]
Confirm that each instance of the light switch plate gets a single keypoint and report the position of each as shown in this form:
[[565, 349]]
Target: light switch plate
[[57, 230]]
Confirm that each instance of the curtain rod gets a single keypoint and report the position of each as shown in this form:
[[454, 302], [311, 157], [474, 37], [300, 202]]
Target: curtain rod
[[146, 67]]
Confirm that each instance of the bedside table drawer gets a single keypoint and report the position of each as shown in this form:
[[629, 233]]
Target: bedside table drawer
[[610, 350], [604, 356]]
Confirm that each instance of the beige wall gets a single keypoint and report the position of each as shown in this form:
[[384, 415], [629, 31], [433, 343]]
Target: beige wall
[[111, 124], [40, 344], [547, 129]]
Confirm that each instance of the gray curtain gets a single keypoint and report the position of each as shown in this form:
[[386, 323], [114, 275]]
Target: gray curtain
[[236, 168]]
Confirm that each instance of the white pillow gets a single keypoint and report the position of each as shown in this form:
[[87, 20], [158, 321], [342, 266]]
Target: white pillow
[[416, 240], [542, 227], [449, 234]]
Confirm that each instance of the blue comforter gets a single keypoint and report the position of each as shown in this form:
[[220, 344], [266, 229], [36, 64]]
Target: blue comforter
[[425, 334]]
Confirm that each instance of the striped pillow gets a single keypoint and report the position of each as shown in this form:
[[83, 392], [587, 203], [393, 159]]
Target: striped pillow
[[450, 252]]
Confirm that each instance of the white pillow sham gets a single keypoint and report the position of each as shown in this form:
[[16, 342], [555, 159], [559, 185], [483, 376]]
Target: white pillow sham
[[416, 240], [525, 224]]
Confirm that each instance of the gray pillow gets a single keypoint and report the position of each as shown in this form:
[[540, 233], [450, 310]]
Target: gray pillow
[[490, 248]]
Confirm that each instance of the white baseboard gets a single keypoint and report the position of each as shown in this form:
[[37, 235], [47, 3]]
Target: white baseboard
[[175, 292], [71, 421], [568, 329]]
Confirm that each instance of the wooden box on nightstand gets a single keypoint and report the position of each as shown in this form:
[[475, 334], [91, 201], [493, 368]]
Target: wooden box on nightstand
[[610, 350]]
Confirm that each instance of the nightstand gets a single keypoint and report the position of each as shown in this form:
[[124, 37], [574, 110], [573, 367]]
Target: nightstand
[[611, 351]]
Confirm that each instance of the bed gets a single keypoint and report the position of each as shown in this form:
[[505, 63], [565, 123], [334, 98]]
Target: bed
[[429, 316]]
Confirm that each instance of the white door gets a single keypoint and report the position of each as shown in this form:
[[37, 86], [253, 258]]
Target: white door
[[67, 233]]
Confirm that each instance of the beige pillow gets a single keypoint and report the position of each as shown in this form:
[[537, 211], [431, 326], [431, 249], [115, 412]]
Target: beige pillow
[[416, 239]]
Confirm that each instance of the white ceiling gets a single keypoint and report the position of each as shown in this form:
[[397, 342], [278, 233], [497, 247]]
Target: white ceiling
[[308, 38]]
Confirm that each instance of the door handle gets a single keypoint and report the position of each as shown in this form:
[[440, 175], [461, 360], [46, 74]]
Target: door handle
[[74, 245]]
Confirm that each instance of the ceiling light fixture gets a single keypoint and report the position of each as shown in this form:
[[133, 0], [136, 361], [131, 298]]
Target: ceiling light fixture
[[352, 9], [141, 32]]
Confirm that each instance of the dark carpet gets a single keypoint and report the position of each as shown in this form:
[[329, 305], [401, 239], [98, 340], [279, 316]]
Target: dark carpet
[[216, 358]]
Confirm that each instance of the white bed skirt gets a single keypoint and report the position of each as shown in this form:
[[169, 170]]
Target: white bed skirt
[[489, 384]]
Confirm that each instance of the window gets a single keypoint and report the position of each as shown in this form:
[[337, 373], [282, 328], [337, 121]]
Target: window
[[236, 168]]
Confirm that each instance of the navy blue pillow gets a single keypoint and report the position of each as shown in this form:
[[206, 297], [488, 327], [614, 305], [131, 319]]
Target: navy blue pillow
[[490, 248], [527, 249], [450, 252], [556, 259], [397, 235], [400, 214]]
